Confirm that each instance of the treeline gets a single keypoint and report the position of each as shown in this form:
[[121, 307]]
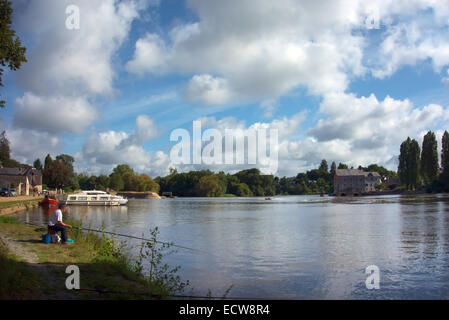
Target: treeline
[[419, 167], [59, 174], [205, 183], [251, 182]]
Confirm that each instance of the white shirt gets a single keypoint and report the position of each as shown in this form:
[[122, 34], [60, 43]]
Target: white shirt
[[55, 217]]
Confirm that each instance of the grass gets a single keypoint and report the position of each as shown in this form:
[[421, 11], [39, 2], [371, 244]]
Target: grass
[[17, 279], [5, 204], [102, 262], [9, 220]]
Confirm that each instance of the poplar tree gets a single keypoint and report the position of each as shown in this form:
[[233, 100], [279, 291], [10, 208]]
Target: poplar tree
[[4, 149], [403, 163], [415, 159], [429, 158], [445, 155], [409, 163]]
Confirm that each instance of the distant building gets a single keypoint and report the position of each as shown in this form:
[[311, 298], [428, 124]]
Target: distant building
[[21, 179], [391, 182], [355, 182]]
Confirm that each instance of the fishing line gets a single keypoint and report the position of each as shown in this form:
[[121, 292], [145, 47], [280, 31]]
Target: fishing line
[[153, 295], [128, 236]]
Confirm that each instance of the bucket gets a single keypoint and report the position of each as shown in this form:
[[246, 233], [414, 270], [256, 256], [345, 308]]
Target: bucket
[[46, 238]]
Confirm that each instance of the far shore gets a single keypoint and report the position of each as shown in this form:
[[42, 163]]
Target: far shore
[[9, 205]]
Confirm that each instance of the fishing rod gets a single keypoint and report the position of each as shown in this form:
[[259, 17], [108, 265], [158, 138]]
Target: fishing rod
[[159, 296], [127, 236], [138, 238]]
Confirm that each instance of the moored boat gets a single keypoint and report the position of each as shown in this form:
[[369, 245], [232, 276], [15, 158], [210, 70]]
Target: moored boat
[[95, 198], [49, 202]]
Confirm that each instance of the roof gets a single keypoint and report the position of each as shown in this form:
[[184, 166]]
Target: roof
[[349, 172], [19, 171], [354, 172]]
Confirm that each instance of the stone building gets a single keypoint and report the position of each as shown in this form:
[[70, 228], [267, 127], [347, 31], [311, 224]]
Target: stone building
[[24, 180], [355, 182]]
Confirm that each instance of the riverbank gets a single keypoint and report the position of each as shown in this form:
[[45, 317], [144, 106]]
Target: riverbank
[[10, 205], [35, 270], [138, 195]]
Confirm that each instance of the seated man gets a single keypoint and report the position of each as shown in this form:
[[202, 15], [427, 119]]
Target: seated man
[[55, 222]]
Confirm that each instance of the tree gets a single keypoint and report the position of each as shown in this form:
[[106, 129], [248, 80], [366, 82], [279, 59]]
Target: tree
[[429, 158], [4, 149], [116, 182], [38, 164], [12, 53], [57, 174], [46, 173], [403, 163], [323, 166], [409, 163], [333, 169], [342, 166], [121, 169], [208, 186], [445, 154], [415, 163], [67, 159], [145, 183], [102, 182], [130, 181], [240, 190]]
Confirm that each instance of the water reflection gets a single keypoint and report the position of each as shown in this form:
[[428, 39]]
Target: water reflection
[[295, 247]]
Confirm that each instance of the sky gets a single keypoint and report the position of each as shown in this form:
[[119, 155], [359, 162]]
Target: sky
[[341, 80]]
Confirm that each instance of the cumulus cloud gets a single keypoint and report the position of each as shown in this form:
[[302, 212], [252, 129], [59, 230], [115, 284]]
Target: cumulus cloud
[[102, 151], [364, 130], [68, 69], [208, 90], [411, 42], [29, 145], [53, 114], [149, 55], [263, 49]]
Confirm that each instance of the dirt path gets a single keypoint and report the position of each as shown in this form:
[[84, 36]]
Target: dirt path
[[32, 260]]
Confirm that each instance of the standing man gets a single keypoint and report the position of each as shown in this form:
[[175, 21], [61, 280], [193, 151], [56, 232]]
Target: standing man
[[55, 222]]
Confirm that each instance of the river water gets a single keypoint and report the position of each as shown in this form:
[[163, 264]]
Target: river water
[[295, 247]]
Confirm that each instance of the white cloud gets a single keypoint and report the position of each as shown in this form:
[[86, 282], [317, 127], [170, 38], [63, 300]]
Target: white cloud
[[71, 61], [102, 151], [149, 56], [54, 114], [411, 42], [445, 80], [208, 90], [264, 49], [269, 106], [28, 145], [68, 69]]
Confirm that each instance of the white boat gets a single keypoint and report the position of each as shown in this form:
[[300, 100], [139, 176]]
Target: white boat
[[95, 198]]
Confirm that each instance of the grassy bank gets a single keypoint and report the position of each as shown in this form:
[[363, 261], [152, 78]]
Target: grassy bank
[[17, 279], [11, 206], [102, 263]]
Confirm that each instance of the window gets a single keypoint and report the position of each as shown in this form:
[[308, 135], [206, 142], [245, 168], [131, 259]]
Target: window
[[93, 198], [82, 198], [72, 198], [104, 198]]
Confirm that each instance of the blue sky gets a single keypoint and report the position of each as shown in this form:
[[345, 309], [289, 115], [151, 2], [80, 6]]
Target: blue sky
[[112, 91]]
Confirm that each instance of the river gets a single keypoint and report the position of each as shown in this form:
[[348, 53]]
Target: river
[[295, 247]]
